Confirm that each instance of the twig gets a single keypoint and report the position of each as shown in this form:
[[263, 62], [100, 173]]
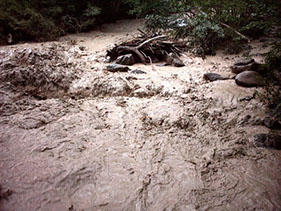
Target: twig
[[141, 31], [238, 33], [150, 60]]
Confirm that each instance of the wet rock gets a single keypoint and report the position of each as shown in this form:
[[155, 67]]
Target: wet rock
[[268, 141], [116, 68], [243, 62], [240, 69], [127, 59], [244, 65], [213, 77], [249, 79], [174, 60]]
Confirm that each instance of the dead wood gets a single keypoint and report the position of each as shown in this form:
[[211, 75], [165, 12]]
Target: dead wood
[[148, 49]]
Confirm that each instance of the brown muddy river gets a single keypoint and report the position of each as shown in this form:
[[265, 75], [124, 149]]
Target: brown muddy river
[[164, 140]]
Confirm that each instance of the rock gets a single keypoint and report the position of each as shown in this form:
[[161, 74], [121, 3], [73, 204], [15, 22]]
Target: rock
[[244, 62], [241, 68], [213, 77], [244, 65], [127, 59], [249, 79], [174, 60], [116, 68], [268, 141], [138, 72]]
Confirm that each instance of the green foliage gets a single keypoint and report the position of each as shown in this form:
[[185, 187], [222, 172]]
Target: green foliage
[[202, 35], [273, 58], [209, 23], [272, 70], [48, 19]]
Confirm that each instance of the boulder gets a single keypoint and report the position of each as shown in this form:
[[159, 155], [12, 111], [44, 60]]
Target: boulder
[[116, 68], [249, 67], [249, 79], [127, 59], [213, 77], [243, 62], [244, 65], [268, 141]]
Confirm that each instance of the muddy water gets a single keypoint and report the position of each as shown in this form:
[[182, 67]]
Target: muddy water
[[165, 140]]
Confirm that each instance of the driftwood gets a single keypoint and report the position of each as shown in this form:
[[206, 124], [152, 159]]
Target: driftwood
[[147, 49]]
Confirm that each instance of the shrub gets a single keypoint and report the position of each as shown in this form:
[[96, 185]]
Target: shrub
[[202, 35], [209, 23], [272, 70]]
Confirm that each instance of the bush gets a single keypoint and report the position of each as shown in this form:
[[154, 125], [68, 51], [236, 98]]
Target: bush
[[272, 70], [202, 35], [209, 23]]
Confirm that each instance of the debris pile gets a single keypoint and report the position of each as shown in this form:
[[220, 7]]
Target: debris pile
[[148, 49]]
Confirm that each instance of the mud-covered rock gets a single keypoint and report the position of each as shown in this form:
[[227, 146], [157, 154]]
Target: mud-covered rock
[[127, 59], [249, 79], [213, 77], [116, 68], [174, 60], [138, 71], [268, 141]]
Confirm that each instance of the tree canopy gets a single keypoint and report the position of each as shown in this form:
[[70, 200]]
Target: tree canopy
[[48, 19]]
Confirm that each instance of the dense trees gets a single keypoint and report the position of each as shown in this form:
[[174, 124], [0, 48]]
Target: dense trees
[[47, 19], [209, 23]]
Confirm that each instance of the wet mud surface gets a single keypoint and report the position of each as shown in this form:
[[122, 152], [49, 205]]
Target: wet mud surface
[[164, 140]]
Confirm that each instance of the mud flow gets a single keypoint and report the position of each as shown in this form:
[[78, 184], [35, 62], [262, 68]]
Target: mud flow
[[76, 137]]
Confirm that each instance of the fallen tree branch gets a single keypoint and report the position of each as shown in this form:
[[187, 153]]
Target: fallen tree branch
[[150, 40], [237, 32], [136, 50]]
